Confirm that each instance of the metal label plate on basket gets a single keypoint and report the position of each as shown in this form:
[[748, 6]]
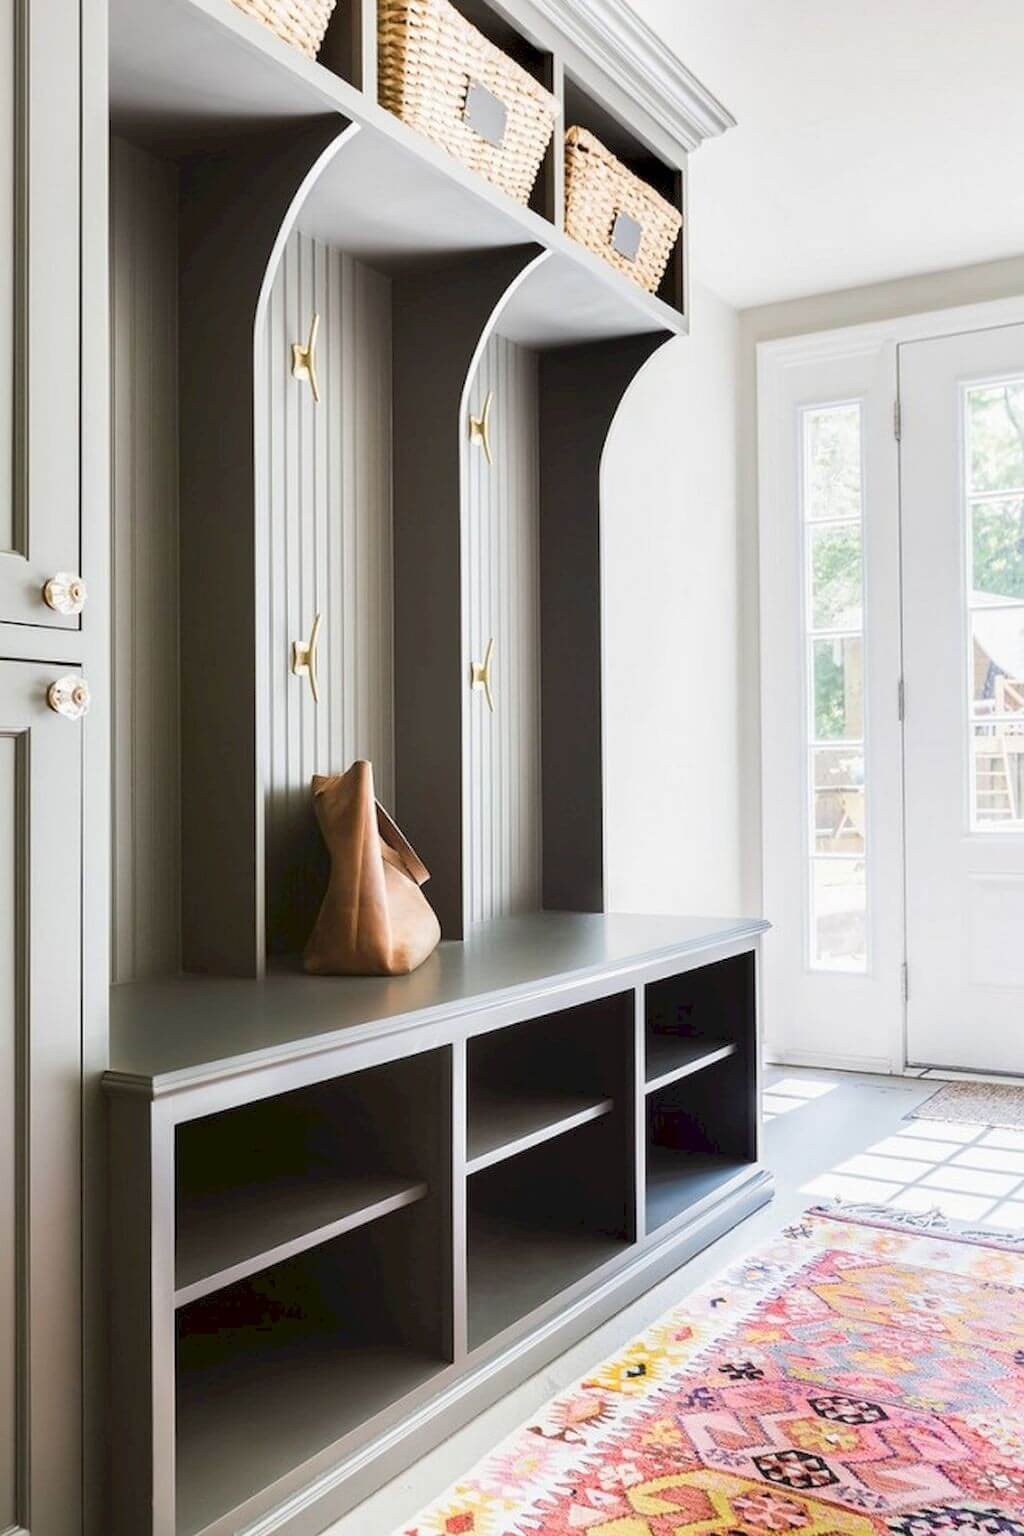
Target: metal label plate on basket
[[486, 114], [626, 236]]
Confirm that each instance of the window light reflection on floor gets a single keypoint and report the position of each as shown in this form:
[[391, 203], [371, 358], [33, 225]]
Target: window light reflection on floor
[[970, 1172], [792, 1093]]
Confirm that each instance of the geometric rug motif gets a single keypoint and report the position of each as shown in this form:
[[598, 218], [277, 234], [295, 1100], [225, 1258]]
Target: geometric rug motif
[[851, 1378], [997, 1104]]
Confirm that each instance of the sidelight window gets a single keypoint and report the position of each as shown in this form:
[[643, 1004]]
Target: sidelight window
[[833, 556]]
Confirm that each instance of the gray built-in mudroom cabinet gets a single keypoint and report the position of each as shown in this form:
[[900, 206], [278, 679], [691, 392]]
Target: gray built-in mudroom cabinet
[[264, 1238]]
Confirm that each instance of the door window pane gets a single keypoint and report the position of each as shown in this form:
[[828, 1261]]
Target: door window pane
[[995, 425], [837, 576], [997, 547], [838, 676], [998, 776], [997, 661], [839, 914], [839, 806], [994, 460], [832, 462]]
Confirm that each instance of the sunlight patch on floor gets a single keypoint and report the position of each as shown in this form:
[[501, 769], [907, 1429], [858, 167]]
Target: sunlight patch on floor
[[791, 1093], [969, 1172]]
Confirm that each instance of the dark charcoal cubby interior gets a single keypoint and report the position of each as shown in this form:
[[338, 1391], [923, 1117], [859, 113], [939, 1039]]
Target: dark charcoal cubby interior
[[298, 1169], [545, 1077], [700, 1044], [543, 1220], [274, 1369], [700, 1133], [713, 1003], [582, 110]]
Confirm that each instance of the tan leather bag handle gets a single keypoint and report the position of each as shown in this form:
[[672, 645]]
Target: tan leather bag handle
[[397, 849]]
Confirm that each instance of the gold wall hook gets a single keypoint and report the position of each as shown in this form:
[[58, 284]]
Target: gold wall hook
[[304, 359], [480, 427], [480, 674], [304, 659]]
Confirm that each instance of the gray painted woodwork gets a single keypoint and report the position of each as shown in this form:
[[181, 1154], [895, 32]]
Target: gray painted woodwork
[[39, 297], [191, 1031], [96, 796], [440, 318], [669, 1059], [302, 1418], [501, 1126], [502, 573], [581, 390], [40, 1144], [219, 73], [232, 211], [324, 494], [146, 866]]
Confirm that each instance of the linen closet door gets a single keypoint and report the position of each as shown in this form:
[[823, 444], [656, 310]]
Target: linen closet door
[[40, 1067], [40, 179]]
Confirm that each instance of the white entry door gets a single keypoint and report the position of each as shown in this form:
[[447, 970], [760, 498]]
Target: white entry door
[[962, 493]]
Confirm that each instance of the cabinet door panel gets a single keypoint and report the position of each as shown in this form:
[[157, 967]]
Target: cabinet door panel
[[39, 304], [40, 1114]]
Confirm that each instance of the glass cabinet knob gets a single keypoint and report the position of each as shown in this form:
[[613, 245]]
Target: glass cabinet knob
[[65, 593], [70, 697]]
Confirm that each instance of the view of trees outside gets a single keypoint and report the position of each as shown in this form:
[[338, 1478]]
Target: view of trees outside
[[834, 573], [995, 509]]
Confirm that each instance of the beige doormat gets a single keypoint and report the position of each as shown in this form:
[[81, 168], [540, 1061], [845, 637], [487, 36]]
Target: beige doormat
[[974, 1104]]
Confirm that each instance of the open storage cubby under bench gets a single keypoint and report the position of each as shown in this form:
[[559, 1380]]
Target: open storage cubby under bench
[[349, 1213]]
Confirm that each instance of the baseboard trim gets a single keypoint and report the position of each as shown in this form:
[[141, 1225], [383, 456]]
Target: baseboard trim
[[834, 1061]]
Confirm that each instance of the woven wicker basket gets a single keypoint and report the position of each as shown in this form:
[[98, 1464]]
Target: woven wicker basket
[[299, 22], [430, 56], [597, 189]]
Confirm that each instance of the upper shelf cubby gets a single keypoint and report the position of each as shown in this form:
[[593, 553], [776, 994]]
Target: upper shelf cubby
[[189, 77]]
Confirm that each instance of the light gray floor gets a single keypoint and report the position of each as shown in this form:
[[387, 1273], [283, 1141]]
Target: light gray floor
[[826, 1133]]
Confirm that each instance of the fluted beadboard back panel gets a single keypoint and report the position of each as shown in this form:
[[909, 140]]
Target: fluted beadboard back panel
[[146, 896], [501, 577], [324, 487]]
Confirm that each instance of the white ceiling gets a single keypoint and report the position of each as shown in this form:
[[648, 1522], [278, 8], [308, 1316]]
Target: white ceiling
[[876, 139]]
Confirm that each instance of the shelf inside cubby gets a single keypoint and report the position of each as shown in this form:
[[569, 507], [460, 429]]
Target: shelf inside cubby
[[224, 1236], [277, 1368], [670, 1057], [701, 1124], [546, 1078], [502, 1125], [677, 1181], [539, 1222]]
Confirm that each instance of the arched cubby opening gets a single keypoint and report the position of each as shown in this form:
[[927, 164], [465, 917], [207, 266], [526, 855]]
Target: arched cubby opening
[[375, 508]]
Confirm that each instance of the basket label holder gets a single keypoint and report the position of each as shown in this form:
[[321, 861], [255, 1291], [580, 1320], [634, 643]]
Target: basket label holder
[[485, 113], [627, 234]]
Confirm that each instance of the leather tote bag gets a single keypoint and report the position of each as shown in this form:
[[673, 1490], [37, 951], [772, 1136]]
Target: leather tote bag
[[375, 919]]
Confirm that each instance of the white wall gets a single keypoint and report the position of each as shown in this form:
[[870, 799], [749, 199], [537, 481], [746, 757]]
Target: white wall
[[682, 723], [675, 689]]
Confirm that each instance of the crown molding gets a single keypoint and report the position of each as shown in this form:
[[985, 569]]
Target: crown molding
[[613, 36]]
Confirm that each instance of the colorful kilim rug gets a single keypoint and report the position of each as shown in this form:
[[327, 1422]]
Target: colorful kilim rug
[[853, 1377]]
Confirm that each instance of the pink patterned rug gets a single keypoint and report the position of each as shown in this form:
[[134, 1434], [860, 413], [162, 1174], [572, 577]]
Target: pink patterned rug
[[856, 1376]]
